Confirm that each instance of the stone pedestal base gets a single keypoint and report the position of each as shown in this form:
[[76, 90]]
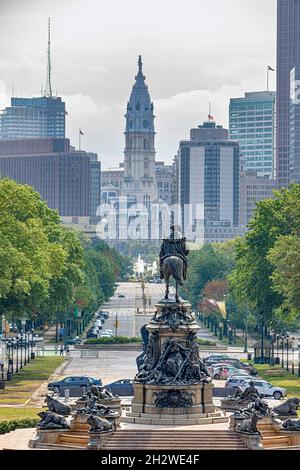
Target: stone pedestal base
[[200, 410]]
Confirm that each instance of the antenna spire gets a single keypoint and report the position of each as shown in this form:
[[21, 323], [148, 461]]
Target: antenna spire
[[48, 88]]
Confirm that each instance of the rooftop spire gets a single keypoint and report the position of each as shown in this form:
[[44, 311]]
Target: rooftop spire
[[48, 88], [140, 63]]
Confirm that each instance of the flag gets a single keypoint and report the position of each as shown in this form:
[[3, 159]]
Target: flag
[[270, 68], [66, 113], [80, 132], [210, 117]]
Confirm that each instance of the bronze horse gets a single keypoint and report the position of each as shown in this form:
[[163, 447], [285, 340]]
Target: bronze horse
[[173, 266]]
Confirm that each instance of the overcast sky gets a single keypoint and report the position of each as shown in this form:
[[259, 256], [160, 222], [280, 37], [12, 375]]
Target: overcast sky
[[194, 51]]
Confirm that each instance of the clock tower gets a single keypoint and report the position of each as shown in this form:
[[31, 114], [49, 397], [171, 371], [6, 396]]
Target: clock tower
[[139, 165]]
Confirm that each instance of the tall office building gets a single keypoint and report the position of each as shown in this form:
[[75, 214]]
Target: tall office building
[[60, 174], [28, 118], [33, 117], [139, 166], [164, 175], [288, 58], [252, 124], [208, 167]]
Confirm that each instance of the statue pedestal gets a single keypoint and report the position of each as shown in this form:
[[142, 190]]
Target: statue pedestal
[[172, 387]]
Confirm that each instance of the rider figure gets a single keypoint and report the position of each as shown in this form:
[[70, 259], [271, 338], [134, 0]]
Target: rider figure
[[174, 247]]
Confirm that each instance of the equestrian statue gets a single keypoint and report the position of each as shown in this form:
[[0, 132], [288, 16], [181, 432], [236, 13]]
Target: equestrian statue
[[173, 261]]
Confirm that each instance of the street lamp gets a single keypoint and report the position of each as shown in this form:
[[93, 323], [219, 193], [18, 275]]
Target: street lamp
[[282, 351], [17, 355], [287, 352], [21, 341], [293, 351], [299, 360], [220, 330], [28, 348], [277, 349]]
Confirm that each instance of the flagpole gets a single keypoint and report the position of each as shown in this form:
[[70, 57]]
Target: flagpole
[[268, 78], [79, 139]]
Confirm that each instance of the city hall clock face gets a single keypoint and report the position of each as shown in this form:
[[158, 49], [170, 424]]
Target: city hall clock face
[[146, 124]]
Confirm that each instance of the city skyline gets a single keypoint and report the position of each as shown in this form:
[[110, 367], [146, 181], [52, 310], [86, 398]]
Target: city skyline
[[185, 63]]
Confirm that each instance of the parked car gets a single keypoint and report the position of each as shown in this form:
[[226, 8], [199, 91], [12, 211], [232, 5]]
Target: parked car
[[73, 383], [215, 359], [105, 335], [242, 365], [74, 340], [122, 387], [234, 381], [92, 334], [98, 322], [265, 389], [223, 371]]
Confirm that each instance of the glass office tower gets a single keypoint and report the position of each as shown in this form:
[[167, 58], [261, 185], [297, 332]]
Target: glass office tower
[[252, 124], [33, 117], [288, 57]]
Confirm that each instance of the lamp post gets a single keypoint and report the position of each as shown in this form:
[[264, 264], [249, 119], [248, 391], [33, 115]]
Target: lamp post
[[17, 355], [282, 351], [293, 351], [220, 330], [287, 352], [28, 348], [277, 349], [21, 342], [299, 360]]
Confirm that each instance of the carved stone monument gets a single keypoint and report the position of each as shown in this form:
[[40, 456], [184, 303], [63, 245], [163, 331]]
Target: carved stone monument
[[172, 382]]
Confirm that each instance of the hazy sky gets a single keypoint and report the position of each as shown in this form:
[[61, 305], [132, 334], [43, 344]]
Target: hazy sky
[[194, 51]]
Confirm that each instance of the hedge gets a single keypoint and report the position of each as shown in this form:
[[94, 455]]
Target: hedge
[[114, 340], [205, 342], [7, 426]]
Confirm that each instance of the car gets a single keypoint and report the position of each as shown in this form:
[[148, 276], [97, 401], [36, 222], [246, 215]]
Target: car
[[74, 384], [215, 358], [241, 365], [105, 335], [92, 334], [98, 322], [121, 295], [223, 371], [234, 381], [265, 388], [123, 387], [74, 340]]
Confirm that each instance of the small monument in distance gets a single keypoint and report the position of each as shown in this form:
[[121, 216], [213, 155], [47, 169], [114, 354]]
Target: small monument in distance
[[173, 385]]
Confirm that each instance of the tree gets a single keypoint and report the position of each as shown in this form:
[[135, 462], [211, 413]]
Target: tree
[[253, 274], [285, 259]]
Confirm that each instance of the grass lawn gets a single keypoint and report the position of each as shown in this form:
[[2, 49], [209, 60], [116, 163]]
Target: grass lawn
[[280, 378], [24, 384], [7, 414]]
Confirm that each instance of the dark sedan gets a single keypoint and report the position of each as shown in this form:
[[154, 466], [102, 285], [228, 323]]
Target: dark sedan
[[122, 387], [75, 384]]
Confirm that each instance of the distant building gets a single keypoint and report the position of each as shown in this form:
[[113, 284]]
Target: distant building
[[252, 124], [139, 164], [294, 143], [288, 58], [95, 187], [208, 167], [113, 177], [33, 117], [66, 179], [164, 175], [253, 189]]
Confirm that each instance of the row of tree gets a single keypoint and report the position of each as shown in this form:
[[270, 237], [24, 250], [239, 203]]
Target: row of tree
[[258, 276], [46, 270]]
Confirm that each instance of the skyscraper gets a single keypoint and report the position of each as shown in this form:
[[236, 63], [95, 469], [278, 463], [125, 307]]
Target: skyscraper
[[35, 117], [252, 123], [208, 166], [288, 57], [139, 166]]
